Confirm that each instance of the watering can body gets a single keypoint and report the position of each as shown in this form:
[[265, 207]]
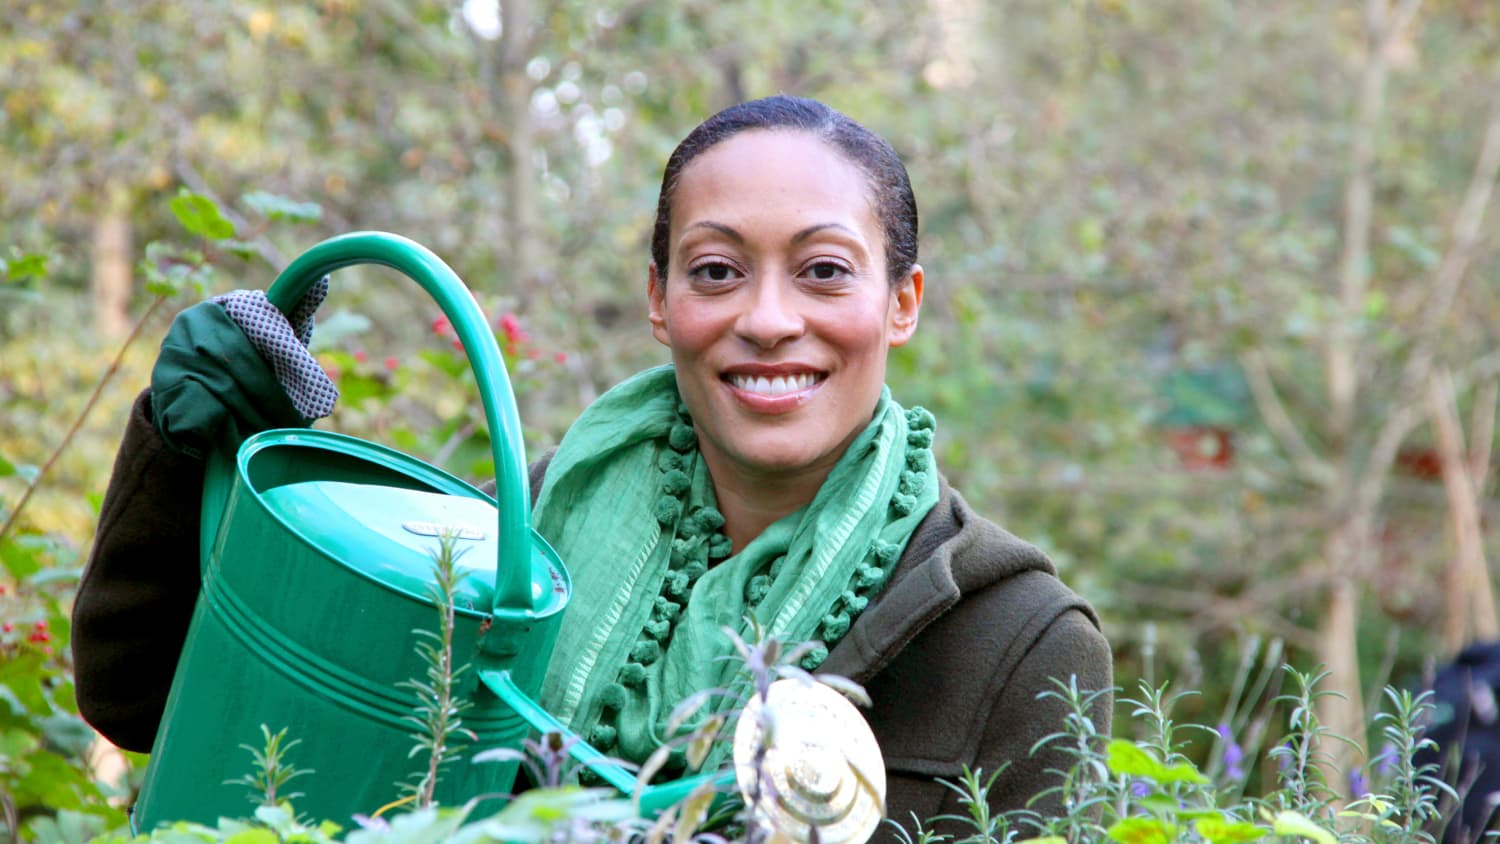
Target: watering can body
[[316, 555]]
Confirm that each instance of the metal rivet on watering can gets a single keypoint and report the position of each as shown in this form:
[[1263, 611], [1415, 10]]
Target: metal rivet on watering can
[[822, 760]]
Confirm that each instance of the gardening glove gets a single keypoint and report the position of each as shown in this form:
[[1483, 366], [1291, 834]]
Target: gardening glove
[[235, 365]]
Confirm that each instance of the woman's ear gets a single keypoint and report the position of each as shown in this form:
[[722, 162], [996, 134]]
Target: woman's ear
[[906, 302], [656, 304]]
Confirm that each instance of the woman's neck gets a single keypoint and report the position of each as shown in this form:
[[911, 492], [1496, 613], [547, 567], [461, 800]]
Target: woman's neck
[[751, 502]]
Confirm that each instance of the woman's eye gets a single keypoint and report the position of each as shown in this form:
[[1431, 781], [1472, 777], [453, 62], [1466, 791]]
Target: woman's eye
[[713, 272], [827, 271]]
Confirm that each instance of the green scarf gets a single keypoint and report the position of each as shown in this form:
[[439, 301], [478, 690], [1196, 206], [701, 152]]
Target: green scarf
[[629, 506]]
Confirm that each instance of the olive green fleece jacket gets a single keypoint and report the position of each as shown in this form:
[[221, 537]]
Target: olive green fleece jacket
[[954, 653]]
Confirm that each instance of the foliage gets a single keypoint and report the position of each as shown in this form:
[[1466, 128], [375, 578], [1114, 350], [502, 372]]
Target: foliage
[[272, 770], [1134, 791], [48, 784], [438, 709], [1150, 195]]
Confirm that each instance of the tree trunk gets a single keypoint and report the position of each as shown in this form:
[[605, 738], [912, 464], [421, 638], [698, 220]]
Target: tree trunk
[[111, 261], [514, 90], [1338, 650], [1468, 598]]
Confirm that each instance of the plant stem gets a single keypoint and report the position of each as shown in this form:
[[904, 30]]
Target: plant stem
[[88, 407], [444, 705]]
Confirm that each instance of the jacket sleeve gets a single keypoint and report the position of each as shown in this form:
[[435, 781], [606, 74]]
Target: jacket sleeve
[[1024, 714], [136, 597]]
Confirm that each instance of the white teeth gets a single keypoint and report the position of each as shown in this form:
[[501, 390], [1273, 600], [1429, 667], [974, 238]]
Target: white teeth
[[778, 386]]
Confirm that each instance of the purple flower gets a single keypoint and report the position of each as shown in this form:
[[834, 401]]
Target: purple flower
[[367, 822], [1234, 755], [1385, 763], [1284, 761], [1358, 786]]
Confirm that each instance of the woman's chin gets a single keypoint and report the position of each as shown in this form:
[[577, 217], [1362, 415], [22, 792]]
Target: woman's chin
[[784, 454]]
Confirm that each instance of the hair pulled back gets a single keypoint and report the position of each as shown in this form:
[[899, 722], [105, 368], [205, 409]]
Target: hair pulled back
[[890, 188]]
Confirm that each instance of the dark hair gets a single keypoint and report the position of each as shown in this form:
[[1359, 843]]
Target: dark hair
[[890, 188]]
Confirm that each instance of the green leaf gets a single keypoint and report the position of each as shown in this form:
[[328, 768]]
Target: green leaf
[[26, 267], [1089, 234], [1218, 830], [50, 780], [274, 207], [702, 742], [1125, 758], [56, 574], [67, 827], [1183, 772], [170, 271], [23, 556], [1141, 831], [339, 325], [67, 733], [694, 810], [254, 835], [199, 215], [7, 468], [12, 708], [1288, 822]]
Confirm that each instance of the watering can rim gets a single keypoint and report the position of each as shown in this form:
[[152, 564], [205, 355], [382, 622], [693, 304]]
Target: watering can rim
[[439, 480]]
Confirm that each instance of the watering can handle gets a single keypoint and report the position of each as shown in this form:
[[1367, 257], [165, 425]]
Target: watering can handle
[[512, 487]]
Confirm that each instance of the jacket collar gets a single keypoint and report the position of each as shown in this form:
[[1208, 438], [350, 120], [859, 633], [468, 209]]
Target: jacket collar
[[952, 552]]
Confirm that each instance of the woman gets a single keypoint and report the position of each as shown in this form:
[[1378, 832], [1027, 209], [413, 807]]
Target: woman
[[766, 472]]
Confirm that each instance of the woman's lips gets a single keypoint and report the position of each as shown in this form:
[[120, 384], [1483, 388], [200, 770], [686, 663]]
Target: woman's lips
[[775, 385], [773, 393]]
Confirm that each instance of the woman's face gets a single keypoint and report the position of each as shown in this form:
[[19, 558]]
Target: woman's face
[[777, 307]]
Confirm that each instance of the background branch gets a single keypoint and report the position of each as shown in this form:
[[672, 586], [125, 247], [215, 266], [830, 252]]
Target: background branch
[[1273, 412]]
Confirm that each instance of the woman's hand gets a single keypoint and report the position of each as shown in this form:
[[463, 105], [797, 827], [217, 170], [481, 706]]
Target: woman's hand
[[235, 365]]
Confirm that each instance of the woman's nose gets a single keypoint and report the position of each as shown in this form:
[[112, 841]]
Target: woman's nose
[[770, 314]]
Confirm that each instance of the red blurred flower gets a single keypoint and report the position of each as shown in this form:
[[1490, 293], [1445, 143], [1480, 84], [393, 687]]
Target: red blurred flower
[[361, 356], [442, 327], [392, 363], [560, 357], [514, 333]]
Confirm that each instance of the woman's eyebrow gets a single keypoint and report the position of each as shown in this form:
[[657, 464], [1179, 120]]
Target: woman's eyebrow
[[817, 227], [731, 233], [726, 230]]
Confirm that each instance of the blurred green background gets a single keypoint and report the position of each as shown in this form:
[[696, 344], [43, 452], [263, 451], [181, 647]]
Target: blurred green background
[[1212, 297]]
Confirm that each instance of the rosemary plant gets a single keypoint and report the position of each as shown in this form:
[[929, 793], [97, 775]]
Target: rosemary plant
[[437, 711], [271, 771]]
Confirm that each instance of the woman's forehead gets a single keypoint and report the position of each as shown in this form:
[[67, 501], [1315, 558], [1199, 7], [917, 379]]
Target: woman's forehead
[[773, 171]]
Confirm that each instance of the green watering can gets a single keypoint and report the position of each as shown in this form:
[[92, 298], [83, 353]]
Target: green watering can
[[317, 552]]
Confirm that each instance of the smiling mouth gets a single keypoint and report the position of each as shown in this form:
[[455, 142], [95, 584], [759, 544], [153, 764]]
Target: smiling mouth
[[779, 385]]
